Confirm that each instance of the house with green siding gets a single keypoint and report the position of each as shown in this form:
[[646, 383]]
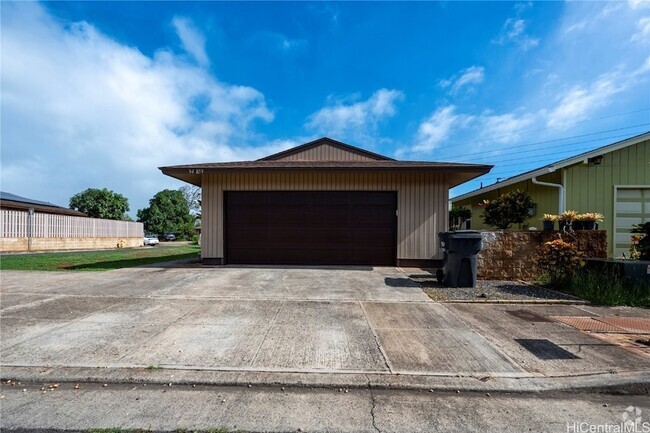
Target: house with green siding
[[613, 180]]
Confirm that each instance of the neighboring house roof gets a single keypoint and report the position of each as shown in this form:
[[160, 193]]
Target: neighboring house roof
[[325, 141], [192, 172], [13, 201], [583, 157]]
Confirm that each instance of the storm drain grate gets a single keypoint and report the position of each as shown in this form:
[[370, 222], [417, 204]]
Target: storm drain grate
[[587, 324], [630, 324], [528, 316], [545, 349], [620, 325]]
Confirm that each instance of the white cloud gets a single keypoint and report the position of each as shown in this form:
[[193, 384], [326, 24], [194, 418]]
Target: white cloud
[[193, 41], [355, 119], [436, 129], [514, 31], [505, 128], [273, 42], [638, 4], [643, 35], [465, 78], [579, 101], [81, 110]]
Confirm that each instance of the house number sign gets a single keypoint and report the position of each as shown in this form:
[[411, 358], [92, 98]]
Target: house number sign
[[196, 171]]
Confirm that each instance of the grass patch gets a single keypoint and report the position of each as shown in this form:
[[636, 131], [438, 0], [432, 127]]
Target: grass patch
[[154, 367], [97, 260], [604, 289], [117, 430], [212, 430]]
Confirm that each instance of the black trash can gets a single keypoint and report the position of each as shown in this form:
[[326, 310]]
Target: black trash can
[[460, 257]]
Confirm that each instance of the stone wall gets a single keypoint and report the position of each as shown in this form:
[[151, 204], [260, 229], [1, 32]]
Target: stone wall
[[512, 255], [54, 244]]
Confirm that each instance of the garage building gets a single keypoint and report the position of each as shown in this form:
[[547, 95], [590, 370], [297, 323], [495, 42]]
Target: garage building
[[324, 203]]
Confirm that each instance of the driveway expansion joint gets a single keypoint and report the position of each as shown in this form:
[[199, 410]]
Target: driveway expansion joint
[[376, 337]]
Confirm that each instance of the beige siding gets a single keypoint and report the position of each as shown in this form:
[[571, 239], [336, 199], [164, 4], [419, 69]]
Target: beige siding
[[422, 203], [326, 152]]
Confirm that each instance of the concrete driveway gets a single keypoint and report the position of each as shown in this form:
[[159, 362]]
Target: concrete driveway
[[296, 320]]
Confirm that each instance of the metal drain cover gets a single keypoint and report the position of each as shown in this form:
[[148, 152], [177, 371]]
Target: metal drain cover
[[618, 325], [630, 324]]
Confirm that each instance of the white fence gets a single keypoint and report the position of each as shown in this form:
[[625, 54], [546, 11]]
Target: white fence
[[19, 224]]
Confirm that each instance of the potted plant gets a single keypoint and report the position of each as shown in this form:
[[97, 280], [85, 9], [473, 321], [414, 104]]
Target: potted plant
[[590, 219], [566, 219], [548, 221], [579, 222]]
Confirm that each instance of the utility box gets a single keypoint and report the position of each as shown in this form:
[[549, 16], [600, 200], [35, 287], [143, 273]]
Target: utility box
[[460, 257]]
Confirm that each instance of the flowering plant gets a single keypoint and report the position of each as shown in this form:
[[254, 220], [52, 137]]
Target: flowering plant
[[560, 259], [568, 215], [590, 216]]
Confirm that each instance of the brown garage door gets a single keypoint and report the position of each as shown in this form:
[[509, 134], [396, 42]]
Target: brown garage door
[[311, 227]]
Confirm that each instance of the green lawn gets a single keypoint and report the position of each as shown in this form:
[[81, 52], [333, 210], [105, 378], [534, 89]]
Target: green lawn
[[97, 260]]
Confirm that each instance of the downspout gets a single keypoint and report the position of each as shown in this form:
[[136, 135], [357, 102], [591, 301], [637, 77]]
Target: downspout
[[553, 185]]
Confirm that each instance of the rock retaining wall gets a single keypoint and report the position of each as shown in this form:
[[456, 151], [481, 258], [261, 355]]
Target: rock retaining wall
[[512, 255]]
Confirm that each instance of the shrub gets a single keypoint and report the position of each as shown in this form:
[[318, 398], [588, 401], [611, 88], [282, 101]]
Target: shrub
[[560, 260], [642, 243], [507, 209]]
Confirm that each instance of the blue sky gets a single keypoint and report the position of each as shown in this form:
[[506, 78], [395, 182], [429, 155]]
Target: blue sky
[[100, 94]]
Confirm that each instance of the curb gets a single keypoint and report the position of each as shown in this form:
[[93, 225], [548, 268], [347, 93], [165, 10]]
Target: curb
[[629, 383]]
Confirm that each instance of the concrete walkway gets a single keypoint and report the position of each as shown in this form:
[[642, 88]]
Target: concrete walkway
[[347, 327]]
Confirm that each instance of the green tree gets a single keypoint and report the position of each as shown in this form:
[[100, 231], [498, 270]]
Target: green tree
[[507, 209], [168, 211], [457, 216], [101, 203]]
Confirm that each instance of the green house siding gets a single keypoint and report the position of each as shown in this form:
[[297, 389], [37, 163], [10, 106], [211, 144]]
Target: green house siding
[[546, 198], [588, 187]]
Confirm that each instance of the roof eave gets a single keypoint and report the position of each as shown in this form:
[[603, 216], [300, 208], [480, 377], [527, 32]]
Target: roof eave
[[557, 165], [521, 178], [462, 173]]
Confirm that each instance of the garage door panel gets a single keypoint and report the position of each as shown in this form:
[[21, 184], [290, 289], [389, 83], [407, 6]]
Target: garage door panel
[[632, 207], [311, 227]]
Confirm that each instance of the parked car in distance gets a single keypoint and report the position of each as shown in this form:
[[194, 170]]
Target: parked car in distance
[[150, 239], [170, 237]]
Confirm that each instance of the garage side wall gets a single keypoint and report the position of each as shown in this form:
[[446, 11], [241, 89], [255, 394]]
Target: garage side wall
[[422, 203]]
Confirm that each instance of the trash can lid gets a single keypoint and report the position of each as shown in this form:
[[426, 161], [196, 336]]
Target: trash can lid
[[473, 234]]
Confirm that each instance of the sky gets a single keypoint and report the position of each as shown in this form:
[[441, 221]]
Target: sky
[[100, 94]]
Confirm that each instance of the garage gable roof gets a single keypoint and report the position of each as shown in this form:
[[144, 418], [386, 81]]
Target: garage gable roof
[[305, 152], [356, 160]]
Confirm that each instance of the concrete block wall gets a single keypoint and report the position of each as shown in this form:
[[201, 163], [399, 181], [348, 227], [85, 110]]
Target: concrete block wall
[[54, 244], [512, 255]]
